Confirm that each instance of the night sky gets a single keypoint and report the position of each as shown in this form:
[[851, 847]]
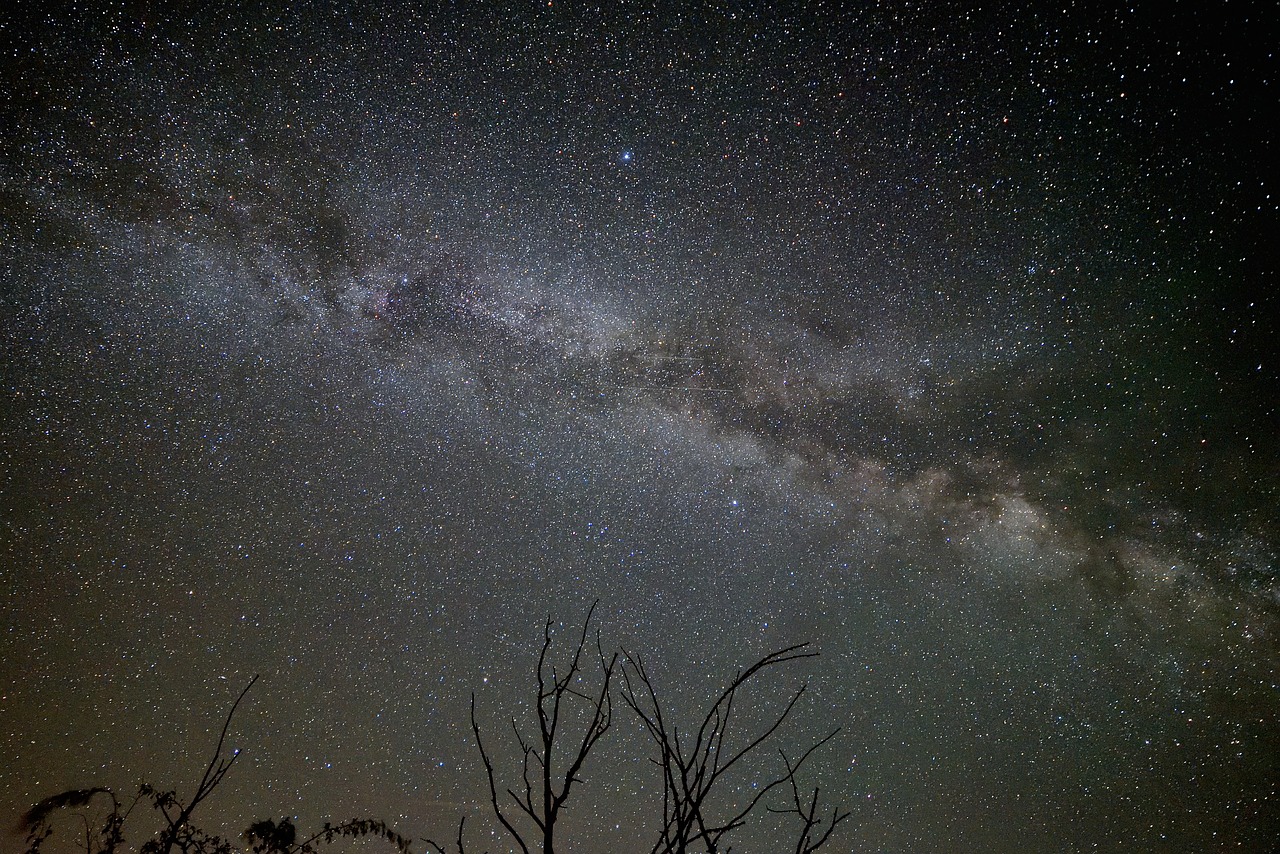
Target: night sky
[[345, 344]]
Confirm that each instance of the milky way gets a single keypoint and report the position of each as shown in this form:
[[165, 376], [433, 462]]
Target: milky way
[[344, 345]]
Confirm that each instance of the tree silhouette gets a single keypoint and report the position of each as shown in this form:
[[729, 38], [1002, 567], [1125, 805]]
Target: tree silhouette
[[808, 812], [693, 770], [179, 834], [574, 710], [104, 839], [177, 815], [543, 797]]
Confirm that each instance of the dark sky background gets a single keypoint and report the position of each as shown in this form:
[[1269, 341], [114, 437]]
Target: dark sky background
[[345, 343]]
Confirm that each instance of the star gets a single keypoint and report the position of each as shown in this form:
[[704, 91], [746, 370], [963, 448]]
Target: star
[[312, 369]]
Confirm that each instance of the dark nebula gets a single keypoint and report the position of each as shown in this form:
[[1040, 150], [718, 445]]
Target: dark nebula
[[343, 343]]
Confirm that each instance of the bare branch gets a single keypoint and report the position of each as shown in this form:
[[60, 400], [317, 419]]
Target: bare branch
[[692, 771], [213, 774], [440, 849], [810, 819], [493, 791], [548, 786]]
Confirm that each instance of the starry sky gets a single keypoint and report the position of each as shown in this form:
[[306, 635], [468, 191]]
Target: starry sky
[[344, 343]]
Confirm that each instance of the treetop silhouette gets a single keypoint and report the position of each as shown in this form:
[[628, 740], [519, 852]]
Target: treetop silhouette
[[573, 710]]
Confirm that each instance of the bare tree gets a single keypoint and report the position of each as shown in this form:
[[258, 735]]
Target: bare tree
[[692, 770], [547, 778], [574, 710]]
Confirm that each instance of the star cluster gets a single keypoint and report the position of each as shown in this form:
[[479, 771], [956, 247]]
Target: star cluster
[[344, 343]]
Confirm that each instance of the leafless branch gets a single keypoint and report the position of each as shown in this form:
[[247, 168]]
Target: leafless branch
[[440, 849], [692, 770], [213, 774], [177, 831], [493, 790], [546, 792], [808, 812]]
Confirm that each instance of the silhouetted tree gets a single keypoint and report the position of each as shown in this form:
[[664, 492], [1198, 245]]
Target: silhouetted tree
[[269, 837], [179, 834], [812, 836], [440, 849], [692, 770], [36, 823], [546, 779], [574, 711]]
